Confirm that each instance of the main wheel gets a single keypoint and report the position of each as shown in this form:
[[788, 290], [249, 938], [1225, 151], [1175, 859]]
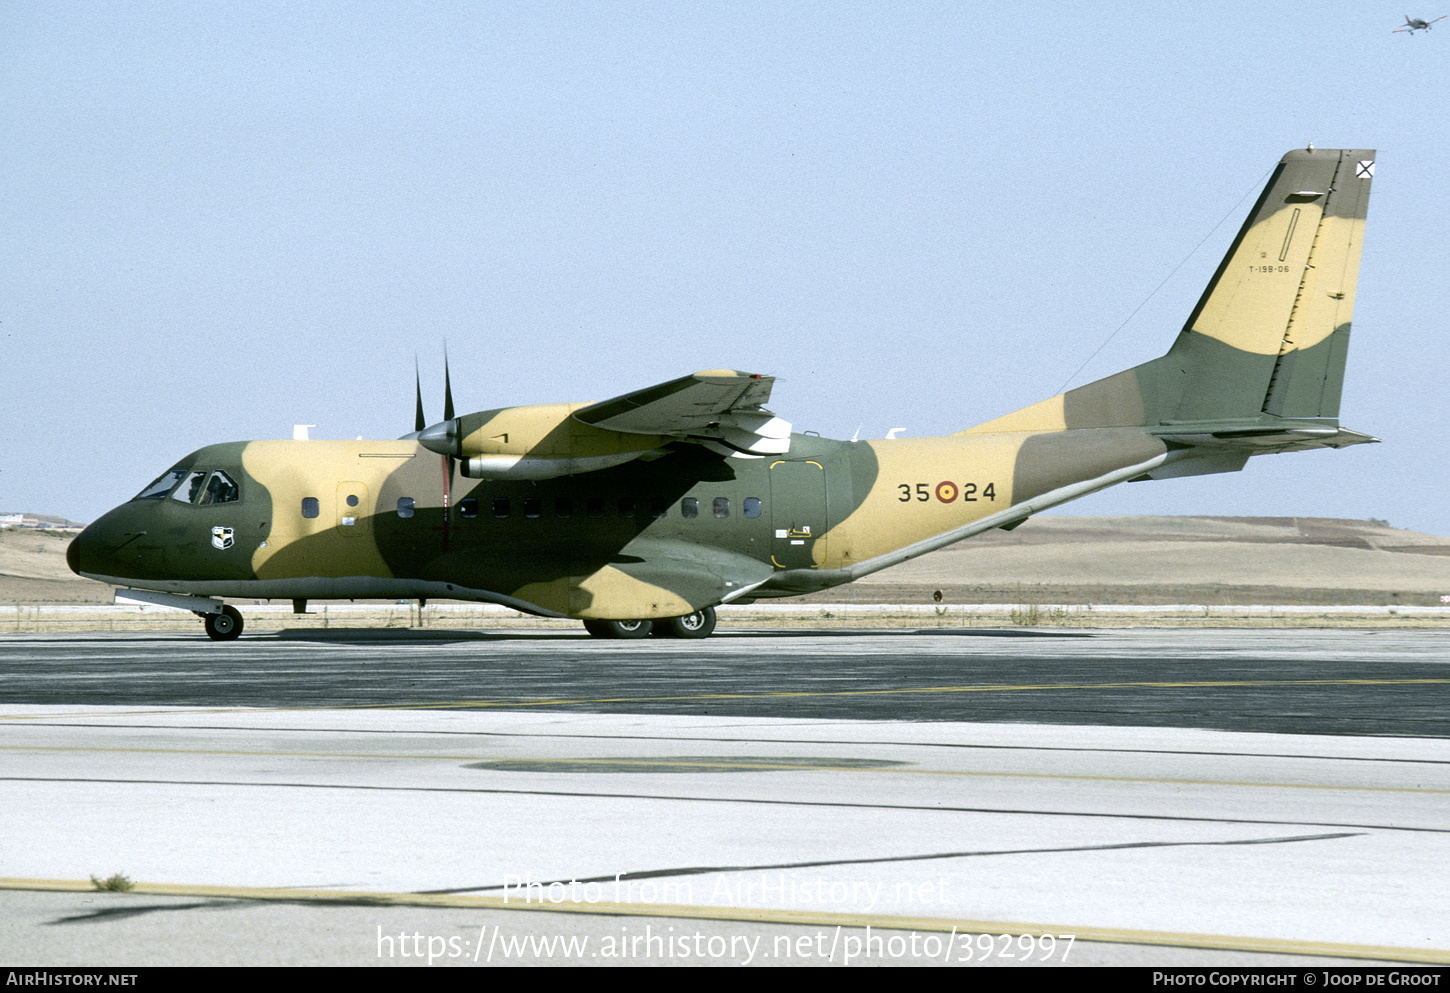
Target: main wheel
[[224, 626], [630, 629], [619, 629], [697, 625]]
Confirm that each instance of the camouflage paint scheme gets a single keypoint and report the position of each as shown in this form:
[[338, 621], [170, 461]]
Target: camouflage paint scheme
[[1257, 368]]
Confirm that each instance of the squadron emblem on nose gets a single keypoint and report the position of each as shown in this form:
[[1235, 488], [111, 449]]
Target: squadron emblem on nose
[[221, 538]]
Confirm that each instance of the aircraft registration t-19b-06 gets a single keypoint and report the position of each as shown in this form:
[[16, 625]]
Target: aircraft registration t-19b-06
[[647, 511]]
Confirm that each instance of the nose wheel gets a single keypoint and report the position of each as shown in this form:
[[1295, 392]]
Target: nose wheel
[[224, 626]]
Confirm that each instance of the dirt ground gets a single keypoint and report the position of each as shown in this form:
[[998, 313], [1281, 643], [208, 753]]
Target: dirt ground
[[1048, 560]]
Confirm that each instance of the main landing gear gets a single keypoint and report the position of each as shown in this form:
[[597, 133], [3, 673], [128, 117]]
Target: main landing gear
[[696, 625], [223, 626]]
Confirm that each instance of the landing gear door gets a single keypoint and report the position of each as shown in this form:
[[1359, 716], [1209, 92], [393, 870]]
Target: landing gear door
[[798, 514]]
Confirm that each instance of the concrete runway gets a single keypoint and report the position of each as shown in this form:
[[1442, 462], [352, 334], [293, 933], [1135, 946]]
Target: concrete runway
[[1165, 796]]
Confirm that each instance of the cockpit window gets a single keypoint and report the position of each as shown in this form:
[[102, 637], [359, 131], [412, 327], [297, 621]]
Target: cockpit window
[[220, 488], [162, 486], [197, 486], [187, 491]]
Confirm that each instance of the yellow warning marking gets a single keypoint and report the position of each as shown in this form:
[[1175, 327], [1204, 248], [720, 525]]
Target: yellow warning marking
[[956, 926]]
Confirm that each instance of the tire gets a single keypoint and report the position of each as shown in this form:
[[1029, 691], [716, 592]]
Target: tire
[[224, 626], [700, 624], [630, 629], [599, 629]]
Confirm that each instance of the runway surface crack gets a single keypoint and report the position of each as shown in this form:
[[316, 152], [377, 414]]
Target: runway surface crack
[[707, 869]]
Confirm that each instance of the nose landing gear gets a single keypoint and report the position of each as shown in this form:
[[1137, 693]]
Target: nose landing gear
[[225, 625]]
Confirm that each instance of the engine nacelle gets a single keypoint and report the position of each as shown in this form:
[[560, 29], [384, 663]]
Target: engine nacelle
[[540, 441]]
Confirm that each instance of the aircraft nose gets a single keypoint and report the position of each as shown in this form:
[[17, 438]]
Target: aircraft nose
[[74, 552], [93, 552]]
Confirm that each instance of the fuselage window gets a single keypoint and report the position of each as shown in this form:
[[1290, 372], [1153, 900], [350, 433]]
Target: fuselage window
[[596, 506], [405, 507], [689, 507], [500, 506], [752, 506], [533, 507], [162, 486], [658, 507], [469, 507], [722, 507], [626, 506], [564, 507], [310, 507]]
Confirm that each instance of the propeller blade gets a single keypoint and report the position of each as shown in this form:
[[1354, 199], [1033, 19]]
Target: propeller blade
[[447, 459], [447, 500], [419, 422], [447, 389]]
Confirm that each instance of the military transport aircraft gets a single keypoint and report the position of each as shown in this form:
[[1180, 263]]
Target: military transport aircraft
[[644, 512], [1413, 24]]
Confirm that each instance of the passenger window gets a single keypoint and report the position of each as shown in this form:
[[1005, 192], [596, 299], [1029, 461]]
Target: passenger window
[[596, 506], [310, 507], [722, 507], [469, 507], [658, 507], [533, 507], [564, 507], [689, 507], [405, 507], [501, 506], [752, 506], [626, 506]]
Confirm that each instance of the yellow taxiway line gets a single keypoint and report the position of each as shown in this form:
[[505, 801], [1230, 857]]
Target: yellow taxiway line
[[1123, 936]]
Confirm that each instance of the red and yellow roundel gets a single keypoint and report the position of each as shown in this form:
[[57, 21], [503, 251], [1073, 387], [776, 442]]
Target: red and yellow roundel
[[946, 492]]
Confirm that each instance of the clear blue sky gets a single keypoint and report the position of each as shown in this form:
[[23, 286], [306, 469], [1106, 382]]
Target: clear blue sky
[[221, 220]]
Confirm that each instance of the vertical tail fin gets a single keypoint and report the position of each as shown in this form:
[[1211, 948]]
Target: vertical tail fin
[[1270, 334], [1266, 343]]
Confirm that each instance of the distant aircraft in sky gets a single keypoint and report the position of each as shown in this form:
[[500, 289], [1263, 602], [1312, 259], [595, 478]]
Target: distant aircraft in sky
[[643, 513], [1413, 24]]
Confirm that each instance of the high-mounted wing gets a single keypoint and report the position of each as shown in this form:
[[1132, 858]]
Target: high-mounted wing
[[720, 410], [720, 407]]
